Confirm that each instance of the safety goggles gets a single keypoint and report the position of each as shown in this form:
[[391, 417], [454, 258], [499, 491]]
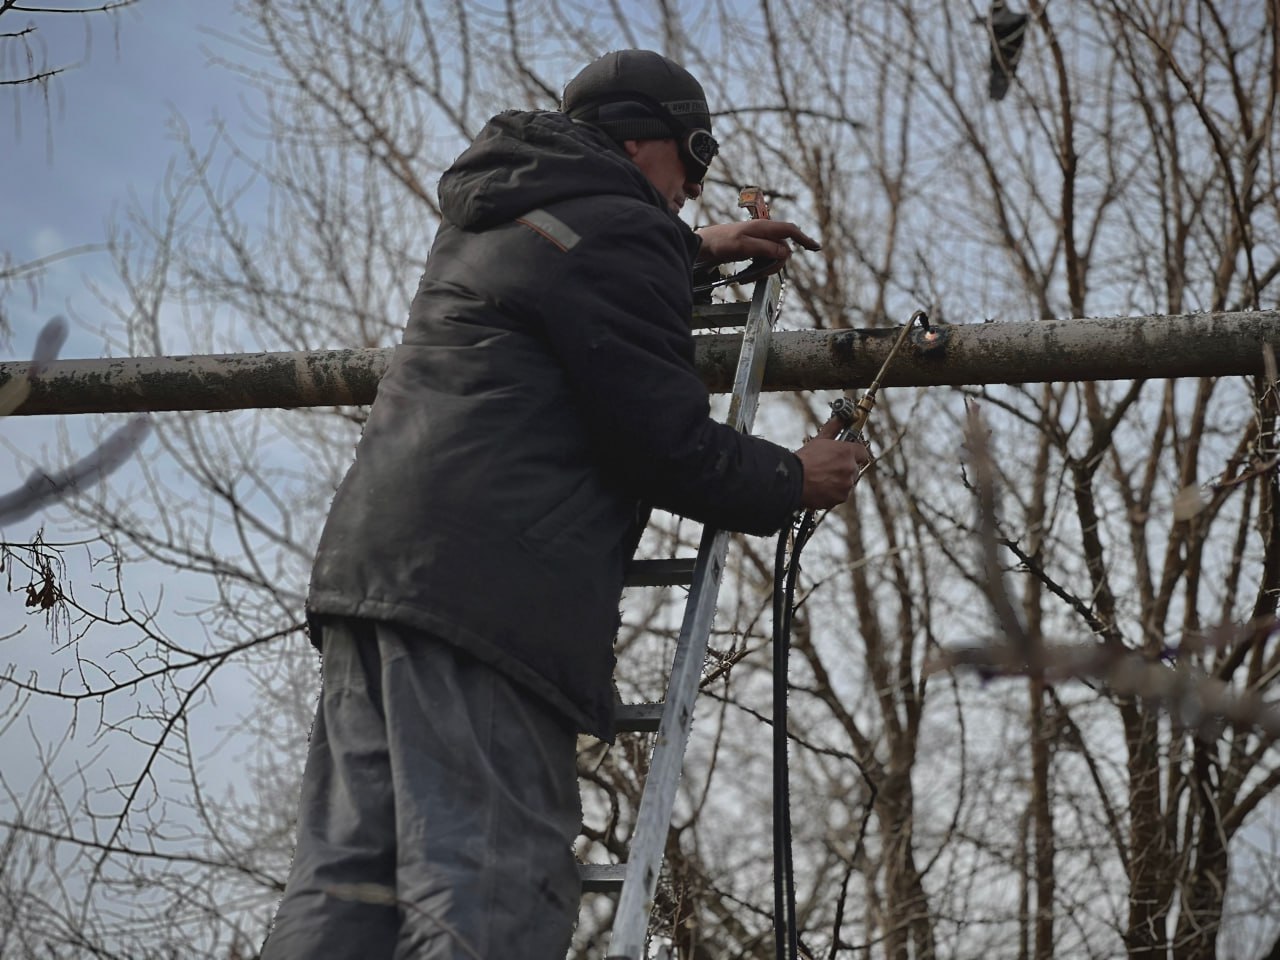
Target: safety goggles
[[697, 146], [697, 149]]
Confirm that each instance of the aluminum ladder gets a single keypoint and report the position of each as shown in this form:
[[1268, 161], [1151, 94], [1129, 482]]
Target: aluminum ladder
[[637, 879]]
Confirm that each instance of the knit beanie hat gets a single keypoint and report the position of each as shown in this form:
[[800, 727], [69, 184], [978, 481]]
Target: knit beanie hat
[[625, 92]]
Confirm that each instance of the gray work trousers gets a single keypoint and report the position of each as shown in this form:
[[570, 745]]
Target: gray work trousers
[[439, 808]]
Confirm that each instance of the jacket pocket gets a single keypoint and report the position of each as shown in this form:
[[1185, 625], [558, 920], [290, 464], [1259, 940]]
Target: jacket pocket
[[588, 519]]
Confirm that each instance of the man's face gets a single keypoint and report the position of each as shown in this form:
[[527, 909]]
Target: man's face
[[659, 160]]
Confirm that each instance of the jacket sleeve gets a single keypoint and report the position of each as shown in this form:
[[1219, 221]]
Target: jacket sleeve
[[617, 316]]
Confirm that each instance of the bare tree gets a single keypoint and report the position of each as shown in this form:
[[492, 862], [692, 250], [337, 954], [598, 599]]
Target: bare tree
[[1112, 543], [25, 57]]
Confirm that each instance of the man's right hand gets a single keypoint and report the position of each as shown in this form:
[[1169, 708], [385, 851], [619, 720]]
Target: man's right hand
[[831, 467]]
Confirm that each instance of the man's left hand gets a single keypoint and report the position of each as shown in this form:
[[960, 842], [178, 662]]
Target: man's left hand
[[751, 240]]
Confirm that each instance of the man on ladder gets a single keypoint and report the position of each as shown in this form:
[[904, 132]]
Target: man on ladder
[[465, 593]]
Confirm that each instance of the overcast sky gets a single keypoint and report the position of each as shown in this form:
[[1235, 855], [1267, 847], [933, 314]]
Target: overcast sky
[[75, 154], [65, 170]]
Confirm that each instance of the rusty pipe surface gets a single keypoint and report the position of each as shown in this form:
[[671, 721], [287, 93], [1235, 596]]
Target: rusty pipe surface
[[230, 381], [1122, 348]]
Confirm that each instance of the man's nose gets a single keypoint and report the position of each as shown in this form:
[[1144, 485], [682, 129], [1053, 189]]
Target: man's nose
[[692, 190]]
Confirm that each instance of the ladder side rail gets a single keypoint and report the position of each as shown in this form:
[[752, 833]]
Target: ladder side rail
[[644, 860]]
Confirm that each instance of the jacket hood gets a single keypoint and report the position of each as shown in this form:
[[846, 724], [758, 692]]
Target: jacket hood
[[523, 160]]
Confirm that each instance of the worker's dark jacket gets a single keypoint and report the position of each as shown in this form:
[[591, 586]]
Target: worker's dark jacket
[[545, 388]]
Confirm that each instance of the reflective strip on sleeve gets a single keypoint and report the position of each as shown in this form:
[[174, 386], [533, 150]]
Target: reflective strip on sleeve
[[553, 228]]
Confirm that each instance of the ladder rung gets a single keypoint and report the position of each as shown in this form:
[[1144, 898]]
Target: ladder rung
[[660, 573], [639, 716], [720, 315], [602, 877]]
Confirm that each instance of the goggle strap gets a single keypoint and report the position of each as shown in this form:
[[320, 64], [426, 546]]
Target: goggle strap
[[682, 133]]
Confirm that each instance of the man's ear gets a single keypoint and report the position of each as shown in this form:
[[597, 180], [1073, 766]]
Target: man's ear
[[632, 147]]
